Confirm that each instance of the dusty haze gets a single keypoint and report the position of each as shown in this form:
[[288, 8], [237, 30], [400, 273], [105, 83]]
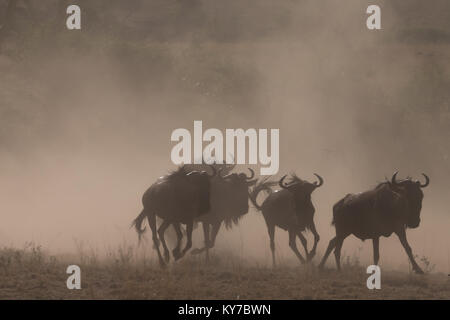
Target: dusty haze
[[86, 116]]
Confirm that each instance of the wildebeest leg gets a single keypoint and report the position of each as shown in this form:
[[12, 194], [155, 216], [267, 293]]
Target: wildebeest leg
[[330, 248], [376, 250], [206, 236], [271, 231], [189, 228], [176, 251], [212, 237], [402, 237], [214, 232], [162, 228], [337, 251], [152, 223], [304, 243], [293, 245], [312, 253]]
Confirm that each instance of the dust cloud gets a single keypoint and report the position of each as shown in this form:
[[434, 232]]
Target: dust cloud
[[87, 116]]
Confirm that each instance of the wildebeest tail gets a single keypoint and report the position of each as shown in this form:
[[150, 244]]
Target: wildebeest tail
[[137, 224], [229, 222], [263, 185]]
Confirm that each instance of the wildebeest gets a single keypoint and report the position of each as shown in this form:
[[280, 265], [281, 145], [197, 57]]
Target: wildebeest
[[290, 209], [390, 208], [177, 198], [229, 202]]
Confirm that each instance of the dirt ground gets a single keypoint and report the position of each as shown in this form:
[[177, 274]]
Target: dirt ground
[[32, 274]]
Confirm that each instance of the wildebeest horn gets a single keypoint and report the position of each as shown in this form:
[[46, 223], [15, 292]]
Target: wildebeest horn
[[225, 176], [230, 166], [226, 168], [320, 180], [213, 170], [394, 178], [281, 182], [252, 174], [427, 181]]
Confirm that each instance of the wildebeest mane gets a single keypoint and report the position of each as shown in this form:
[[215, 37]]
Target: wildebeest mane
[[176, 173], [266, 185], [233, 220], [263, 185], [295, 179], [382, 184], [388, 182]]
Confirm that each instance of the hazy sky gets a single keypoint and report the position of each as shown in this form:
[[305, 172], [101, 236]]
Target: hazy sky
[[86, 123]]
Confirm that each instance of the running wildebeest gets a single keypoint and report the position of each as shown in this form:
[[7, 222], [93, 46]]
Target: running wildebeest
[[177, 198], [390, 208], [290, 209], [229, 203]]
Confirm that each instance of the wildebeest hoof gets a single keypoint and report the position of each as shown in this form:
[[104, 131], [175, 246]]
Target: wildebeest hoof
[[419, 271], [177, 255], [196, 251], [166, 256]]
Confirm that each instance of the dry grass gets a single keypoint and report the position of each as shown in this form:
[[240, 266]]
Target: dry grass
[[31, 273]]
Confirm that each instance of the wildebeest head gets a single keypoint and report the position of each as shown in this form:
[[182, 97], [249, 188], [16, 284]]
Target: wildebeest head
[[301, 190], [412, 190], [299, 186], [237, 185], [201, 180]]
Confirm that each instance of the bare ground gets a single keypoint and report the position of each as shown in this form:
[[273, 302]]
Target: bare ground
[[31, 274]]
